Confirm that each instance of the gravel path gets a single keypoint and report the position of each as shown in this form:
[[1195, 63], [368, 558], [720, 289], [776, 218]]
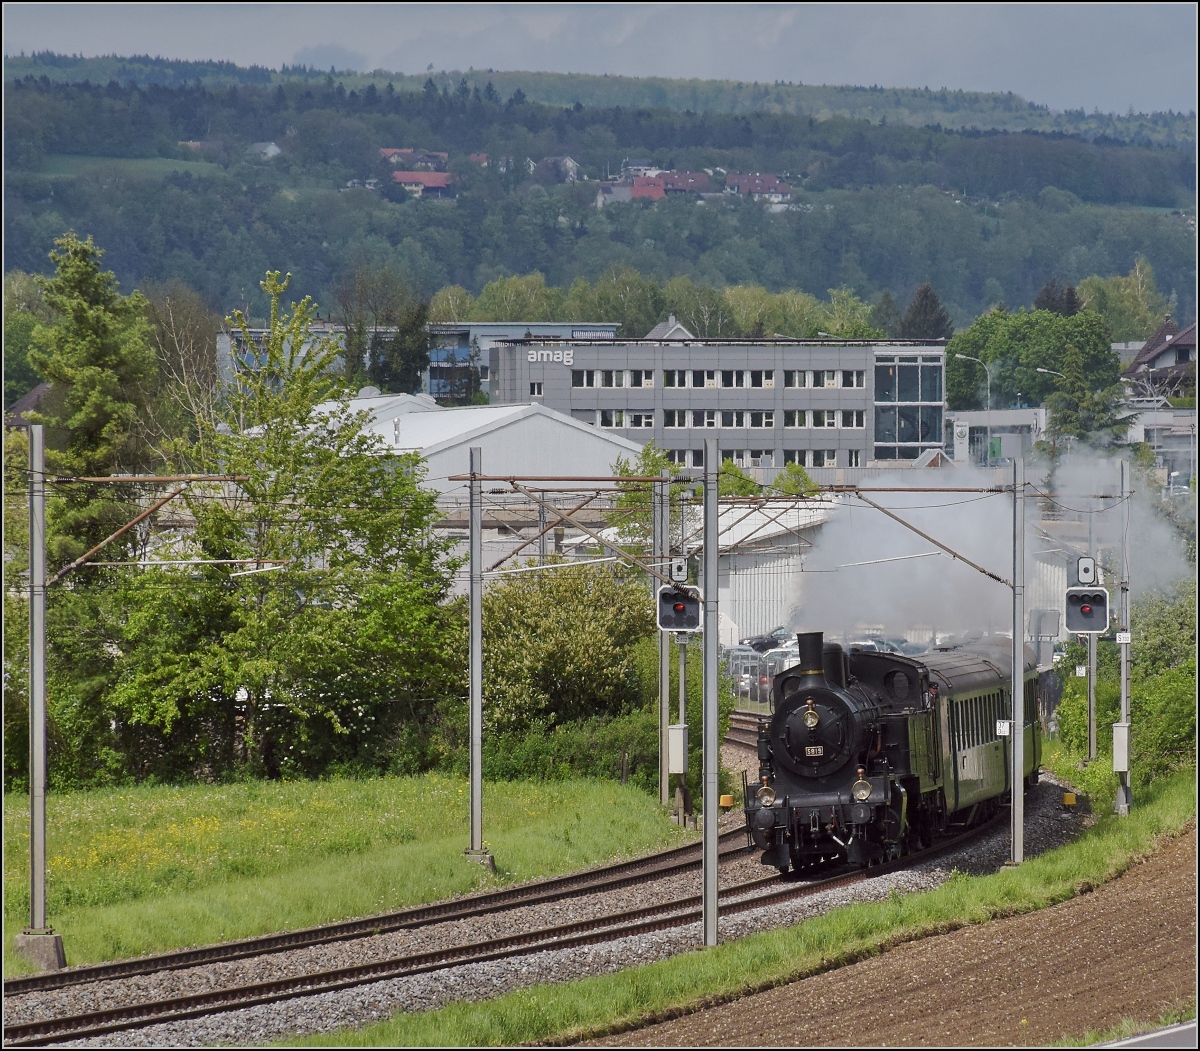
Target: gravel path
[[1047, 826]]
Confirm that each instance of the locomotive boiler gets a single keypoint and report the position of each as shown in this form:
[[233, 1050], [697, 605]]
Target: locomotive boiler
[[869, 755]]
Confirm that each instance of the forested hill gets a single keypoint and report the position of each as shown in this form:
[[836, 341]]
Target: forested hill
[[1002, 111], [169, 181]]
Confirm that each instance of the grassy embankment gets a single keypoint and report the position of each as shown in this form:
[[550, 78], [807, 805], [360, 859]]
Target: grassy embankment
[[557, 1013], [146, 869]]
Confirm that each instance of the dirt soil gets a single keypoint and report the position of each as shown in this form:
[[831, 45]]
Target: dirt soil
[[1127, 950]]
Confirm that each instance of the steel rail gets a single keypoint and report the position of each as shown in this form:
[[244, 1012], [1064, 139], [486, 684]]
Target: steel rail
[[609, 877], [676, 913]]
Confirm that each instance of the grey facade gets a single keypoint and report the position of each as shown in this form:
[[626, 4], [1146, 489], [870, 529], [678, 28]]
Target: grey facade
[[453, 345], [820, 403]]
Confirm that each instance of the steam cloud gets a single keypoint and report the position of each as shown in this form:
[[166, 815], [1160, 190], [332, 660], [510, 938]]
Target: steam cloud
[[916, 597]]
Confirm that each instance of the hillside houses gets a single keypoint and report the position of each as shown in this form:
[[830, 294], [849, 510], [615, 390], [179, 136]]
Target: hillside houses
[[640, 181]]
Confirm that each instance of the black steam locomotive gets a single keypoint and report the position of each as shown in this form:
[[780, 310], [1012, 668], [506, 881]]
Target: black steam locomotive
[[869, 755]]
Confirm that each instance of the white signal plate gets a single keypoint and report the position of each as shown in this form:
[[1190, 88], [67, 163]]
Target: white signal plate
[[1124, 638]]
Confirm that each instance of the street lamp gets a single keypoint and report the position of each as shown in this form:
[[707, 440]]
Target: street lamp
[[1051, 372], [988, 372]]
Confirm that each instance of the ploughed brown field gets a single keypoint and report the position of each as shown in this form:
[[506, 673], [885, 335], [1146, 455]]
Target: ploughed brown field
[[1126, 950]]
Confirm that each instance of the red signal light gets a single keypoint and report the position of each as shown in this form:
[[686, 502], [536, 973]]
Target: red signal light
[[1085, 609], [679, 607]]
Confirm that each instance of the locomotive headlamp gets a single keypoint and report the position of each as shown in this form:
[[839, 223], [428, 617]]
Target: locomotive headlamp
[[861, 791], [810, 717], [765, 795]]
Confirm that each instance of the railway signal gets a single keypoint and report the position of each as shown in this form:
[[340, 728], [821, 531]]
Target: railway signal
[[679, 608], [1087, 610]]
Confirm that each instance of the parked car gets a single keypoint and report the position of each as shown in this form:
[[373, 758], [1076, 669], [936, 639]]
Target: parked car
[[769, 641]]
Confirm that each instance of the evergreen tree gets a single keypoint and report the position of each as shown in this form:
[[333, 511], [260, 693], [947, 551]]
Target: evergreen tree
[[98, 359], [1058, 299], [398, 357], [925, 317], [885, 315], [1080, 412]]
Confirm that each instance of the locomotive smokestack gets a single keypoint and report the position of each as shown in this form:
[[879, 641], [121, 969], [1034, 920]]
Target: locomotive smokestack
[[812, 646]]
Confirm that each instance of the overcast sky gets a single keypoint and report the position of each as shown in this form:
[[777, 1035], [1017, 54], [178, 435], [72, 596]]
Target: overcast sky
[[1096, 56]]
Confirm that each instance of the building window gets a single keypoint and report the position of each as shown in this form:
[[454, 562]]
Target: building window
[[675, 418], [762, 458], [733, 418], [824, 417], [854, 418], [826, 378], [612, 377], [765, 418], [483, 373], [853, 378], [641, 419], [674, 377], [909, 392], [641, 377], [797, 456], [612, 418], [795, 417], [853, 459], [535, 389], [733, 378], [762, 378], [583, 377], [697, 457], [738, 456], [704, 417], [704, 377], [824, 457], [795, 378]]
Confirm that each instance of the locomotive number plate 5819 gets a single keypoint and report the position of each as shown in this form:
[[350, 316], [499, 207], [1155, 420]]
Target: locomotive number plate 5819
[[814, 749]]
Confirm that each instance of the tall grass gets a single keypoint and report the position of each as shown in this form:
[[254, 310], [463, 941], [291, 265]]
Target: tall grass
[[555, 1014], [146, 869]]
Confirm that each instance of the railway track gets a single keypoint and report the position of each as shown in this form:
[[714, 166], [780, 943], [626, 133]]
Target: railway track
[[556, 888], [742, 897], [743, 729]]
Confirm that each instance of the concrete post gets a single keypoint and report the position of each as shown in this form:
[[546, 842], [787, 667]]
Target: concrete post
[[475, 627], [712, 744], [1017, 729], [1124, 799], [38, 942], [662, 549]]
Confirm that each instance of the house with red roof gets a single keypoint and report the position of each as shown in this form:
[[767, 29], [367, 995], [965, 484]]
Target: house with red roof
[[758, 187], [425, 184]]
